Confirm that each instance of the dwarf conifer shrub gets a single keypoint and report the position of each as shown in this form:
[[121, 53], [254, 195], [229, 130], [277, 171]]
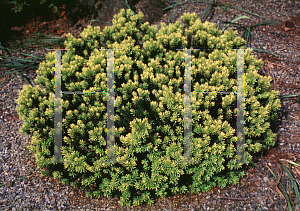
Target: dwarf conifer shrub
[[149, 110]]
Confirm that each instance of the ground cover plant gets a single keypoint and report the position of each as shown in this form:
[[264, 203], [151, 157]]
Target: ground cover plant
[[21, 64], [149, 90]]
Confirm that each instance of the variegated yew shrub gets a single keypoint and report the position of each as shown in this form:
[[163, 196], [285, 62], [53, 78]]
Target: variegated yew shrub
[[149, 110]]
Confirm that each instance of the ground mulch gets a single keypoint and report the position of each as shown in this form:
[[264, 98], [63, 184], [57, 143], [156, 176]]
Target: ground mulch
[[258, 190]]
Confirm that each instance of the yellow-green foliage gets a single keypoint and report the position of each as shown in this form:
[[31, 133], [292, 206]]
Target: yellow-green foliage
[[149, 109]]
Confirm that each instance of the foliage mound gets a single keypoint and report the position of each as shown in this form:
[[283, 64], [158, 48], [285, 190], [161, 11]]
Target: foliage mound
[[149, 110]]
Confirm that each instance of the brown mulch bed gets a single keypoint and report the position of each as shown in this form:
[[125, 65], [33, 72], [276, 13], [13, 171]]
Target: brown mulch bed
[[258, 190]]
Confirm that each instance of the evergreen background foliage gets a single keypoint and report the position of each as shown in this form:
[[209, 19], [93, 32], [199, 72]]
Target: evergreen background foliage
[[149, 110]]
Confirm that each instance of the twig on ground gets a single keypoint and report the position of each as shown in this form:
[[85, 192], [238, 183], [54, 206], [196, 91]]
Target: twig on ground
[[231, 198]]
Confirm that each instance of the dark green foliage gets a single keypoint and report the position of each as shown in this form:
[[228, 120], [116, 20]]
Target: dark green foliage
[[18, 5], [149, 110]]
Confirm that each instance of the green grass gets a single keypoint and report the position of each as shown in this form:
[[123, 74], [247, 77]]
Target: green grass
[[291, 181], [18, 64]]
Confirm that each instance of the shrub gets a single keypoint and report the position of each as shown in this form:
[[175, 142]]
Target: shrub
[[19, 4], [149, 110]]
